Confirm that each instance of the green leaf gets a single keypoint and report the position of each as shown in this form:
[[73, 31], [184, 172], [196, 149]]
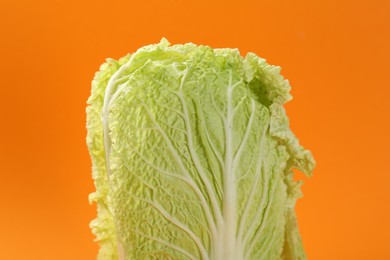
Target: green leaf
[[193, 156]]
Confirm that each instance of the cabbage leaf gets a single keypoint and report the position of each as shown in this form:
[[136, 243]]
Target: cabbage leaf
[[193, 155]]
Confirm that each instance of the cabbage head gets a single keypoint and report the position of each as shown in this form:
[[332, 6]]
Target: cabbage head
[[193, 156]]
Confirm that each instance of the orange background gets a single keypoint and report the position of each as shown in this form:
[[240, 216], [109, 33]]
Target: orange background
[[335, 54]]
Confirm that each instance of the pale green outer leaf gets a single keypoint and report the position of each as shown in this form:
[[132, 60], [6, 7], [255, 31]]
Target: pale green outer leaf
[[193, 156]]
